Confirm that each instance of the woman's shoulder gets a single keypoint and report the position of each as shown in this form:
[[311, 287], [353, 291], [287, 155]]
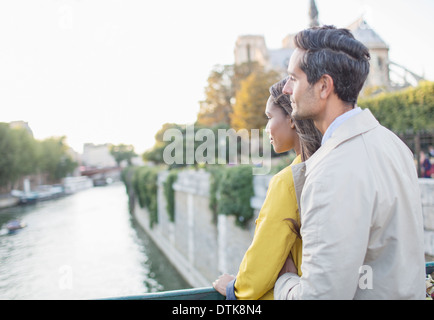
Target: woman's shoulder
[[285, 174]]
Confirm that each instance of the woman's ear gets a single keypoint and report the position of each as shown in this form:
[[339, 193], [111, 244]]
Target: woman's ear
[[326, 86], [291, 121]]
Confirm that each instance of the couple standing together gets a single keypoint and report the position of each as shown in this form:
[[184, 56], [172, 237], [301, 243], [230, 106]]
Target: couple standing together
[[350, 200]]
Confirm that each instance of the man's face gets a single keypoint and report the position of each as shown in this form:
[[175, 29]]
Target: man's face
[[304, 99]]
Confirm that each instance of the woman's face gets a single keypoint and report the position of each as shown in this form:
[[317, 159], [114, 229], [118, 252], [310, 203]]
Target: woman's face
[[280, 128]]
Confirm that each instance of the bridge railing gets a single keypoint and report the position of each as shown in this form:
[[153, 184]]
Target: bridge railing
[[207, 293]]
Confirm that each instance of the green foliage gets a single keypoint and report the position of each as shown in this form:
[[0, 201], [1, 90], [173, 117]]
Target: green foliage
[[122, 152], [230, 192], [407, 111], [53, 158], [127, 175], [18, 154], [236, 97], [169, 193], [156, 153], [23, 155], [145, 184], [216, 174], [231, 189]]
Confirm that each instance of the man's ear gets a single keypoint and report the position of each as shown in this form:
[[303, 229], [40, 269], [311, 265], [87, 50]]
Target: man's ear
[[326, 85]]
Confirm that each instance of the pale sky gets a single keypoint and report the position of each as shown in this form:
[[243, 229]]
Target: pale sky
[[113, 71]]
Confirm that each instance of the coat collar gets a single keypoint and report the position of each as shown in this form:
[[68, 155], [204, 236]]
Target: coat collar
[[354, 126], [299, 177]]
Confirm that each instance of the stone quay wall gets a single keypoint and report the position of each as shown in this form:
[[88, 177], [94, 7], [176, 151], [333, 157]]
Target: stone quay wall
[[202, 246]]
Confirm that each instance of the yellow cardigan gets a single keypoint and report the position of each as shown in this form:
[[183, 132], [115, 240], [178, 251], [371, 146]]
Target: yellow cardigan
[[273, 240]]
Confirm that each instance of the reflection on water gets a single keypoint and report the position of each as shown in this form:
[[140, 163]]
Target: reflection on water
[[83, 246]]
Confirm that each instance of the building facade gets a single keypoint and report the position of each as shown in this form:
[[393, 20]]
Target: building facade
[[97, 156], [250, 48]]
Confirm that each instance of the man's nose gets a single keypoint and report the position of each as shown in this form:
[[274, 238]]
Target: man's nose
[[287, 88]]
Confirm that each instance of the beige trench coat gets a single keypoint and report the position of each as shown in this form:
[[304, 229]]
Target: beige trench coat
[[361, 217]]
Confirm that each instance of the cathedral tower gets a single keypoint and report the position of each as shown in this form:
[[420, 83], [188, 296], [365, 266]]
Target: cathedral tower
[[313, 14]]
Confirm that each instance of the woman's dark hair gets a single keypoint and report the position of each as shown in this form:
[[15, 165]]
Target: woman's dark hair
[[337, 53], [309, 136]]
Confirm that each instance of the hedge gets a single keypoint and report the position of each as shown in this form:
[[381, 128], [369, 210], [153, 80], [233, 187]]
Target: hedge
[[170, 193], [145, 186], [230, 192], [407, 111], [231, 189]]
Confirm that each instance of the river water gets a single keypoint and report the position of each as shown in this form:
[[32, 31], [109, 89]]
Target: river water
[[83, 246]]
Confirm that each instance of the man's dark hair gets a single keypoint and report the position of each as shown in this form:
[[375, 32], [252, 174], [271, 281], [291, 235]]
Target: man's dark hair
[[337, 53]]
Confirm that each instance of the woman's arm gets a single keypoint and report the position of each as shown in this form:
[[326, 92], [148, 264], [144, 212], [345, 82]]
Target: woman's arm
[[271, 244]]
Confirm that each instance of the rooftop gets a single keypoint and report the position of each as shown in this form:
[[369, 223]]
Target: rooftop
[[365, 34]]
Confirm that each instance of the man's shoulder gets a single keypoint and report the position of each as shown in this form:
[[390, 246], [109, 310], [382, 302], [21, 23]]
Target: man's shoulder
[[341, 156]]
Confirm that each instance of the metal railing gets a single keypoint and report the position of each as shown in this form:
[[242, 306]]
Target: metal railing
[[207, 293]]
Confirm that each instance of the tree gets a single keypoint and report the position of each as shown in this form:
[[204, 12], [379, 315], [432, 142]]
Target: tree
[[22, 155], [156, 153], [217, 107], [53, 158], [223, 85], [122, 152], [249, 107], [18, 153]]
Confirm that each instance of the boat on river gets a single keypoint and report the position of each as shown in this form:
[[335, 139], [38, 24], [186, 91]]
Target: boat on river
[[15, 225], [43, 192], [25, 197], [47, 192], [69, 186]]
